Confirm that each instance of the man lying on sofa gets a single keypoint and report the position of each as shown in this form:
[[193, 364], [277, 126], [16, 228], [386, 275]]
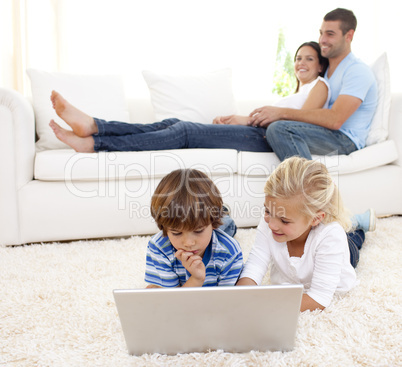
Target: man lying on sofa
[[344, 126], [340, 129]]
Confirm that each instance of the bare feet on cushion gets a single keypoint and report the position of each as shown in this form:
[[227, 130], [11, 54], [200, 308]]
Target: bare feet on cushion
[[82, 124], [231, 120], [82, 145]]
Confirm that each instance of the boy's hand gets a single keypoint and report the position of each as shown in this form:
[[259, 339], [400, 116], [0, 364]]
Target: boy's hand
[[193, 264]]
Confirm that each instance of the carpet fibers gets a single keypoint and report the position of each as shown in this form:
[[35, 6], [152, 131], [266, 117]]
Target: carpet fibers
[[57, 308]]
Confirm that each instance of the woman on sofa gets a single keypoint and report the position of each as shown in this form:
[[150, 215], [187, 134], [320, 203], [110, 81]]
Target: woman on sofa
[[231, 132]]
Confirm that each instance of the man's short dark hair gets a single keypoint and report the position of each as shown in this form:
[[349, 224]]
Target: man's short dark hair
[[345, 16]]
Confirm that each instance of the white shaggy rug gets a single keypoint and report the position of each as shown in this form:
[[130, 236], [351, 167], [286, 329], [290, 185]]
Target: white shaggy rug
[[57, 308]]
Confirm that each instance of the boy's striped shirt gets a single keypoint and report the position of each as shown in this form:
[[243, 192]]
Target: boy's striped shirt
[[223, 262]]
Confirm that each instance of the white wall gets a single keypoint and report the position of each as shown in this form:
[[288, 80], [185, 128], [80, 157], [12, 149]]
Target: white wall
[[128, 36]]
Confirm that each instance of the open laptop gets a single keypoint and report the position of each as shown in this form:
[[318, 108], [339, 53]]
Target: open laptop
[[184, 320]]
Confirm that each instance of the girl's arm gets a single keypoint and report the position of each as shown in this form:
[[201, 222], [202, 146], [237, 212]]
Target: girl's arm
[[330, 260], [308, 303], [246, 281], [259, 259]]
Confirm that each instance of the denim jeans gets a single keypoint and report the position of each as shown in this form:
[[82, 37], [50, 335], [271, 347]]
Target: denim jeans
[[177, 134], [290, 138], [355, 241], [228, 225], [285, 138]]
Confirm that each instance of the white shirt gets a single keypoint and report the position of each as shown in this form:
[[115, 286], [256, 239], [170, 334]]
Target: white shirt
[[298, 99], [323, 269]]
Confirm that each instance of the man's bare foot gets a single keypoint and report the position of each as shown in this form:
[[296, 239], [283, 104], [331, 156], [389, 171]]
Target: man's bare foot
[[82, 124], [82, 145]]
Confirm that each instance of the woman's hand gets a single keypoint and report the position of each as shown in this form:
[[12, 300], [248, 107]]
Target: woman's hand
[[263, 116], [231, 120]]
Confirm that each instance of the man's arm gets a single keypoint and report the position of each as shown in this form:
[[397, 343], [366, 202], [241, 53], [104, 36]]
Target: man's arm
[[333, 118]]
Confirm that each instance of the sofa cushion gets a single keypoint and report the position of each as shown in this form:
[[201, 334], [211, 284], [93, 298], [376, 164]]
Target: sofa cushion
[[379, 126], [258, 164], [196, 98], [99, 96], [67, 165]]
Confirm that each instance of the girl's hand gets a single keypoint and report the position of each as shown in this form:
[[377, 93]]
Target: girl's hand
[[193, 264], [308, 303], [263, 116]]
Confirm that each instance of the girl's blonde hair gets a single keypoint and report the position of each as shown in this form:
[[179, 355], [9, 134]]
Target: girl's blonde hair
[[311, 181]]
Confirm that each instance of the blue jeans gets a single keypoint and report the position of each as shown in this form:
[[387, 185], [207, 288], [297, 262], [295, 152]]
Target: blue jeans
[[290, 138], [177, 134], [228, 225], [285, 138], [355, 241]]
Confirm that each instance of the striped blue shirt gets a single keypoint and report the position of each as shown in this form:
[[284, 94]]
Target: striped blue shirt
[[223, 262]]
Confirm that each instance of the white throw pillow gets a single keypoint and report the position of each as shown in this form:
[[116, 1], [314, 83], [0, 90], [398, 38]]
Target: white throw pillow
[[196, 98], [379, 126], [99, 96]]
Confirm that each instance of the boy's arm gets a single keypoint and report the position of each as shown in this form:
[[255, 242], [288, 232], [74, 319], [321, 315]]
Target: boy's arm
[[158, 271], [231, 270], [333, 118], [152, 286], [195, 266]]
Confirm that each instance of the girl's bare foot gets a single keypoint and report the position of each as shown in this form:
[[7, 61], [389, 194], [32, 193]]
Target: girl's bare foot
[[82, 124], [82, 145]]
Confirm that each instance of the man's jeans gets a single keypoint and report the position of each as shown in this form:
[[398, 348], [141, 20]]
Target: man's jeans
[[285, 138], [293, 138]]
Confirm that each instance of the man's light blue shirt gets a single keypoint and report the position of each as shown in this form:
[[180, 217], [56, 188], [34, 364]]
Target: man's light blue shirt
[[354, 78]]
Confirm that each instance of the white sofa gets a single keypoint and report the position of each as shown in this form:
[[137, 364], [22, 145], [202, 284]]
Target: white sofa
[[57, 194]]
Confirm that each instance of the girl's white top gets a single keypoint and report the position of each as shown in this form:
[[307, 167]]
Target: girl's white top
[[323, 269], [298, 99]]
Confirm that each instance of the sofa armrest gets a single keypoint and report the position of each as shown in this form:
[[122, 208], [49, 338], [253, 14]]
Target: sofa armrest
[[17, 151], [395, 124]]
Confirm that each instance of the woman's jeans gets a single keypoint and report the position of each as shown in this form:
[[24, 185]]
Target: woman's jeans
[[285, 138], [177, 134]]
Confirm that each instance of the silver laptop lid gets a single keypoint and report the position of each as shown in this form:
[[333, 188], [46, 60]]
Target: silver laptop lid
[[185, 320]]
